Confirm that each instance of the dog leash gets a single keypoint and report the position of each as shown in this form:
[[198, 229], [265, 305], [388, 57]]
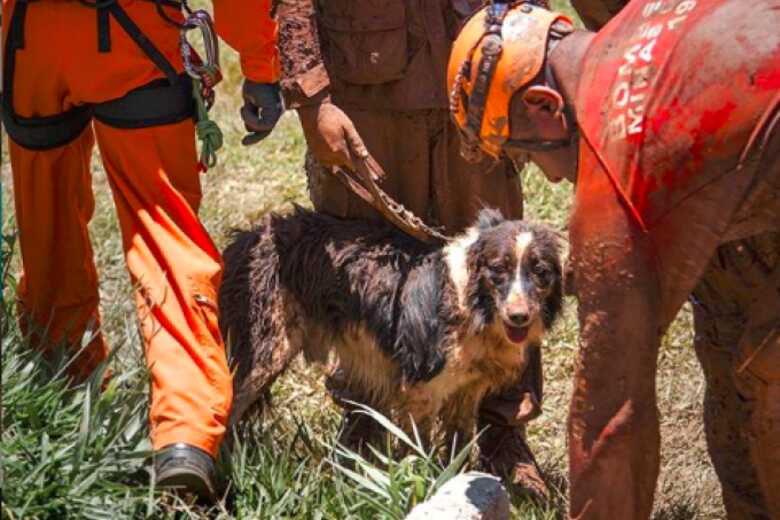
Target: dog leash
[[363, 183]]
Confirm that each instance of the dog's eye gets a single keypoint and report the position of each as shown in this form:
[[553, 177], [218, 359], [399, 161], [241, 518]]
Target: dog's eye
[[542, 274], [498, 268]]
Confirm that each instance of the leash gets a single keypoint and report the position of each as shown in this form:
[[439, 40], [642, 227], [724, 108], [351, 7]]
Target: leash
[[362, 182]]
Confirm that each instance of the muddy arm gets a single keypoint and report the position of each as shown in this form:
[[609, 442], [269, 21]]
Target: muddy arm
[[304, 78], [613, 421]]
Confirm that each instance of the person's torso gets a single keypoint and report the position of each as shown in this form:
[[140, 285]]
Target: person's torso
[[390, 54], [672, 92]]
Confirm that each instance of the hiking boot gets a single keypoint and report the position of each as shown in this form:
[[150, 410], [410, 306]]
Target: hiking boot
[[504, 453], [185, 469]]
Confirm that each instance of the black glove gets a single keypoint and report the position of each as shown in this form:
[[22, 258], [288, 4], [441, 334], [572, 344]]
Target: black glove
[[262, 109]]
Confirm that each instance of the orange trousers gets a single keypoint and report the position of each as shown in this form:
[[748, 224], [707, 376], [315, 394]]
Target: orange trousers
[[156, 188]]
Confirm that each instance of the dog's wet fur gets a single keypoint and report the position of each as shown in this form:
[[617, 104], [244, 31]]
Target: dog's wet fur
[[423, 331]]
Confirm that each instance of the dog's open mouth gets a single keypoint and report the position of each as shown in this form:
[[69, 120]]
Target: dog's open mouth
[[516, 334]]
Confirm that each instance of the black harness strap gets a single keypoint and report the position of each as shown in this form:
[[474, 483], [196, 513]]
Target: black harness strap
[[35, 133], [151, 105], [143, 42], [535, 145], [17, 25], [154, 104], [103, 30], [491, 52]]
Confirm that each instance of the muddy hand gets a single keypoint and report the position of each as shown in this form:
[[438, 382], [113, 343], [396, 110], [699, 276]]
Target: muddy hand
[[331, 136], [261, 110], [366, 164]]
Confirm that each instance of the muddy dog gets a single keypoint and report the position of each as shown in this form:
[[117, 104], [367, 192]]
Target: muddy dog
[[424, 331]]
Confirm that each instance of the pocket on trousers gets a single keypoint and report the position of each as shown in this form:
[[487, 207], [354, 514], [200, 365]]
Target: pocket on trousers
[[206, 309], [367, 40]]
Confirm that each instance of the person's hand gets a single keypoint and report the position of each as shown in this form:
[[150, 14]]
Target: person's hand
[[331, 135], [261, 110]]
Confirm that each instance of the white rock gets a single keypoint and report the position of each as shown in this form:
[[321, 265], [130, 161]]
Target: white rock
[[470, 496]]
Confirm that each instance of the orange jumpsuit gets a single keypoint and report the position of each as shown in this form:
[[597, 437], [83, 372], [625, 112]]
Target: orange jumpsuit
[[153, 176]]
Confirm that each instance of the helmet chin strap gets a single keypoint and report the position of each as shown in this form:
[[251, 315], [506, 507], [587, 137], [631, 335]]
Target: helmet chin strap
[[537, 145]]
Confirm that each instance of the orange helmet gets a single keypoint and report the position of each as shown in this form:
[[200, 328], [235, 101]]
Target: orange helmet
[[498, 52]]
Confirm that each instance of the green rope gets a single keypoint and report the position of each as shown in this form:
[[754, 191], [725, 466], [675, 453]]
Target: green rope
[[208, 132]]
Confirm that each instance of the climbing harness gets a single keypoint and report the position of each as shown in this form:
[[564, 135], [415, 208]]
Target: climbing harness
[[175, 98]]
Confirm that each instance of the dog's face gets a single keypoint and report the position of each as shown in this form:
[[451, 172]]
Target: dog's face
[[514, 277]]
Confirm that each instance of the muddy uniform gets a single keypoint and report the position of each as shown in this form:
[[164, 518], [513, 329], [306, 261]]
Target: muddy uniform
[[383, 63], [721, 304], [667, 130]]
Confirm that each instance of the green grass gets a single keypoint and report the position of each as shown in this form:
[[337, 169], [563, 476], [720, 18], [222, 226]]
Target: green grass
[[77, 452]]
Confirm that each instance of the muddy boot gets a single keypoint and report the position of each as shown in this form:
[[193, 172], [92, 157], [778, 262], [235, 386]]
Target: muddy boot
[[504, 453], [186, 470]]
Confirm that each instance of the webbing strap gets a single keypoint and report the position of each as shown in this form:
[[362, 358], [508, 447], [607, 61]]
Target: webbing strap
[[103, 30], [17, 31], [143, 42], [143, 107], [491, 52], [35, 133], [486, 69], [537, 145], [154, 104]]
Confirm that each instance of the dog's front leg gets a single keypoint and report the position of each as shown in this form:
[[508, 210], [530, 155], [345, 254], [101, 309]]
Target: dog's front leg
[[417, 409]]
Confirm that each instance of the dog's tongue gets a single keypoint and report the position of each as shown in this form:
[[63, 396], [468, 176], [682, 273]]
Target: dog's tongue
[[516, 334]]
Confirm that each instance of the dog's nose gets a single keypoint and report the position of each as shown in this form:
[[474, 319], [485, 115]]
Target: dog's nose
[[519, 318]]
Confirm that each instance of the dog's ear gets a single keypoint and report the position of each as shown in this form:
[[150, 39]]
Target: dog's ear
[[550, 244], [489, 217], [479, 297]]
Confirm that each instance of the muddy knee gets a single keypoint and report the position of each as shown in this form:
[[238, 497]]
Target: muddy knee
[[757, 375], [722, 304]]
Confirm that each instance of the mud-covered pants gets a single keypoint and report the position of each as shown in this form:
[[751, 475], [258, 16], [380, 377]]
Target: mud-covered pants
[[738, 345], [155, 184]]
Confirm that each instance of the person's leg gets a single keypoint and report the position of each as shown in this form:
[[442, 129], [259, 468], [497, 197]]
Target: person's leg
[[503, 447], [53, 203], [172, 260], [763, 374], [720, 306], [58, 289], [460, 189], [757, 375]]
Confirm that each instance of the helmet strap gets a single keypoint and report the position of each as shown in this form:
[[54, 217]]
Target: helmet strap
[[486, 68], [536, 145]]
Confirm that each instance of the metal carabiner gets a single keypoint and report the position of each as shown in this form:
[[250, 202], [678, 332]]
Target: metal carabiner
[[208, 71]]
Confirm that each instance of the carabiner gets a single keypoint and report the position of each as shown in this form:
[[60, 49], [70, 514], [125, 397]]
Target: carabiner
[[208, 71]]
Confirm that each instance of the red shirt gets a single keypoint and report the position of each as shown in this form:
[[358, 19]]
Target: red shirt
[[672, 94]]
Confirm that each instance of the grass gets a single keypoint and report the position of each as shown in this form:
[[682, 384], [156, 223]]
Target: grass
[[80, 453]]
